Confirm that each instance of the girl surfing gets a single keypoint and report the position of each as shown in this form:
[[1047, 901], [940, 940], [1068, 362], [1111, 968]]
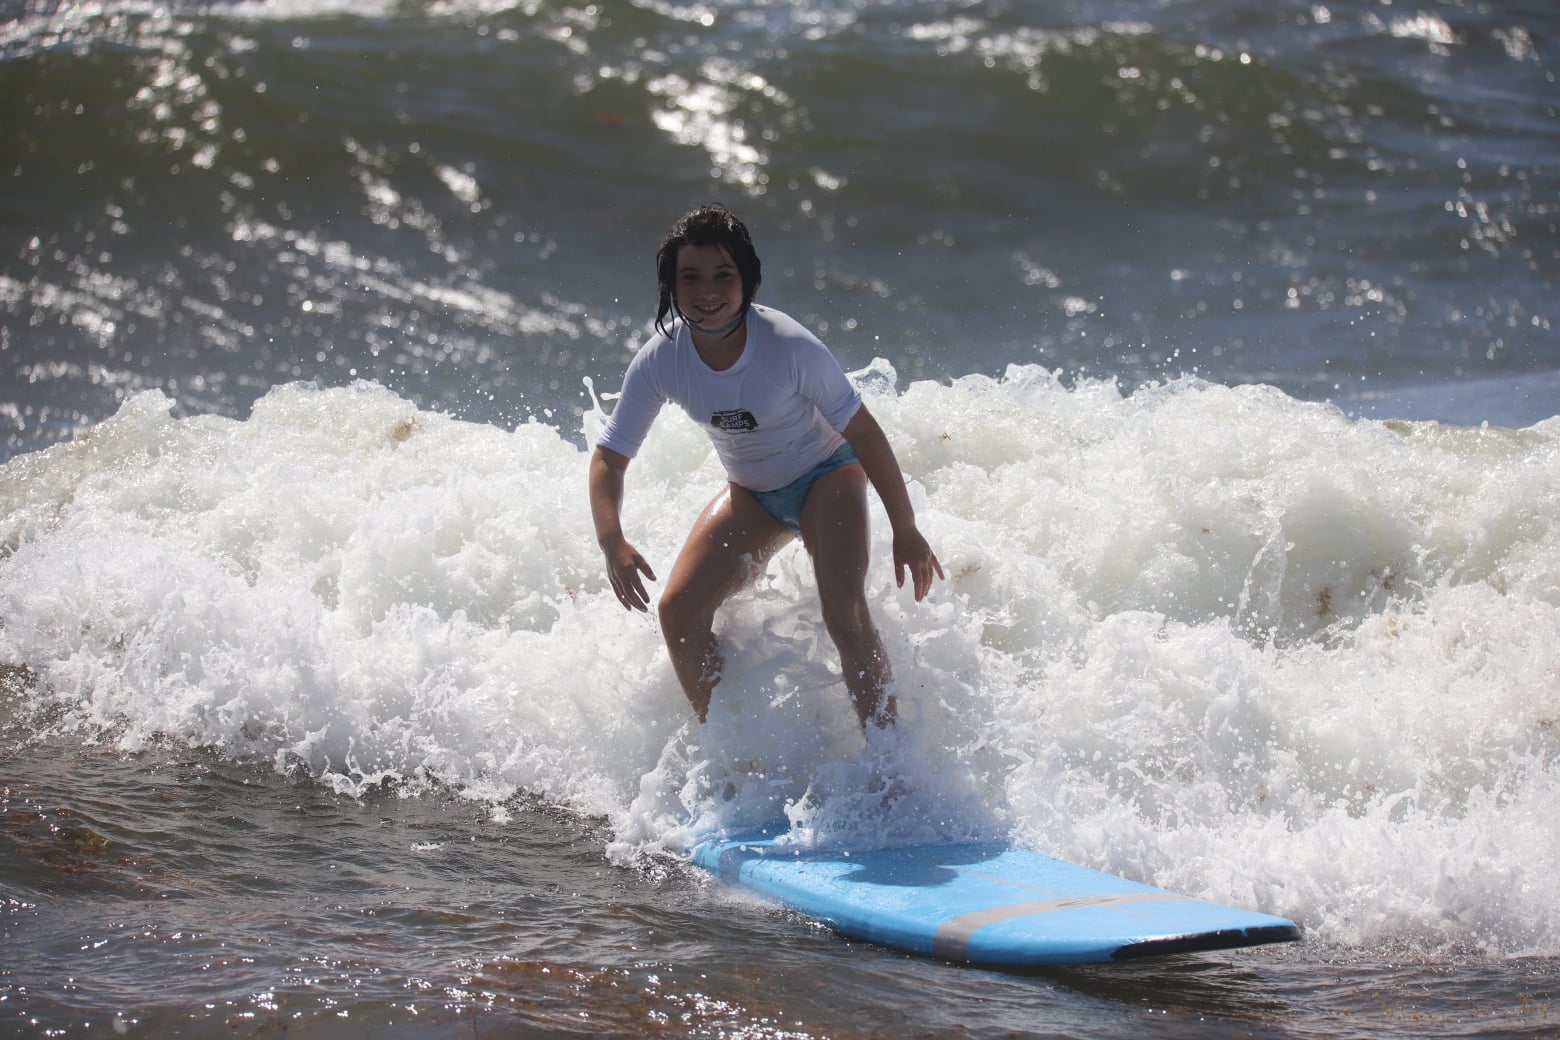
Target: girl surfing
[[799, 448]]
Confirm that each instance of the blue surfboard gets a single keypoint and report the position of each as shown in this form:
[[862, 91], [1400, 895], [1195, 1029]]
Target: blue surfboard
[[988, 903]]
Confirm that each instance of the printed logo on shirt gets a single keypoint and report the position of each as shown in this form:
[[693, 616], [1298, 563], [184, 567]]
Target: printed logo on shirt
[[734, 421]]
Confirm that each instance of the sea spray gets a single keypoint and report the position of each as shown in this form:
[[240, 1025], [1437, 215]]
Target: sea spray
[[1213, 638]]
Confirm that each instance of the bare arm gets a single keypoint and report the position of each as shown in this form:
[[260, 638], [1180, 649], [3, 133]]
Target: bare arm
[[624, 564], [911, 551]]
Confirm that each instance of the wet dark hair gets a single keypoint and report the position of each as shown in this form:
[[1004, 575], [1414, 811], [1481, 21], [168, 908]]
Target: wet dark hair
[[709, 225]]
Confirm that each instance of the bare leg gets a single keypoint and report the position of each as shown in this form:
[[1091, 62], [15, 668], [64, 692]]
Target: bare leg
[[728, 546], [835, 531]]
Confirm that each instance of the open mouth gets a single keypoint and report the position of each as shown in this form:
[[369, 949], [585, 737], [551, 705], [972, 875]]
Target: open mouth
[[715, 320]]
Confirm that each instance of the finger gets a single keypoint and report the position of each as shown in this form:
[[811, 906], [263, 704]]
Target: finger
[[621, 594], [924, 576], [935, 568], [621, 590], [639, 586], [641, 597]]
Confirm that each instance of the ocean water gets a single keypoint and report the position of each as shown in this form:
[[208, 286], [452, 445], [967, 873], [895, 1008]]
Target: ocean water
[[1215, 339]]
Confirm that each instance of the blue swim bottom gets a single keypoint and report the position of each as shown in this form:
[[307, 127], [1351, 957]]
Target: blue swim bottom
[[785, 504]]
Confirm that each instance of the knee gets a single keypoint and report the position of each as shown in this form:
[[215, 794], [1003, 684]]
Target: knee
[[683, 610], [673, 609], [847, 616]]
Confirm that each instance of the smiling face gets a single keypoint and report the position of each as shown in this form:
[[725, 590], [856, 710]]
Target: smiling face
[[699, 247], [707, 286]]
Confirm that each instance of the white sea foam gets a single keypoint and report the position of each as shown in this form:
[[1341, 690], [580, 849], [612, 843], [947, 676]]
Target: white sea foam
[[1213, 638]]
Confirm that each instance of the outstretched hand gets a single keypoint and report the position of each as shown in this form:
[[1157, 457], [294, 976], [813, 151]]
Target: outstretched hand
[[624, 567], [912, 554]]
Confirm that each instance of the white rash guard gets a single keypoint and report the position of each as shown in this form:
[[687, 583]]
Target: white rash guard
[[772, 416]]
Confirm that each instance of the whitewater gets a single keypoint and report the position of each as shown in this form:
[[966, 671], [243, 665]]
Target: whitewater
[[1209, 637]]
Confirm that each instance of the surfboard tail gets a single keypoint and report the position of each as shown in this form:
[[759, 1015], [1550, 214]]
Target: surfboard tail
[[1224, 939]]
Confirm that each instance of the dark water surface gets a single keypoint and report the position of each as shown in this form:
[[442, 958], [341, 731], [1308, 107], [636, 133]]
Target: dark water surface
[[176, 893], [460, 200]]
